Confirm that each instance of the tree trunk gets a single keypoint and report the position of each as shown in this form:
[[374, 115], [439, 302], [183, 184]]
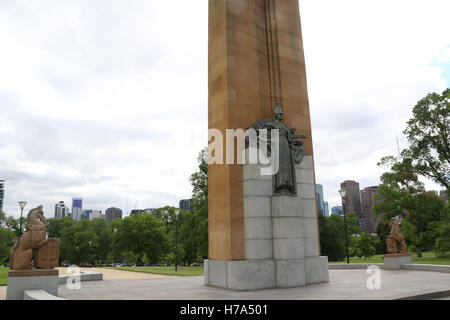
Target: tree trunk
[[419, 253]]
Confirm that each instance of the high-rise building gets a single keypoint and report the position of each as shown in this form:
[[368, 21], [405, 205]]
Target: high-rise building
[[320, 201], [367, 202], [61, 210], [2, 193], [442, 193], [352, 201], [186, 204], [137, 211], [96, 214], [337, 210], [326, 212], [77, 208], [85, 215], [113, 214], [150, 210]]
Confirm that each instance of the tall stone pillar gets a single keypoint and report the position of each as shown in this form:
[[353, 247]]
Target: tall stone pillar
[[256, 59]]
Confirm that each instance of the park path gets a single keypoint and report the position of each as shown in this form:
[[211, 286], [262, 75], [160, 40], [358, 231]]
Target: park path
[[112, 274], [108, 274]]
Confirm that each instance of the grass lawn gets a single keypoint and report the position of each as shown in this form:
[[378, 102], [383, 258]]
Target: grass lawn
[[170, 271], [428, 258], [4, 276]]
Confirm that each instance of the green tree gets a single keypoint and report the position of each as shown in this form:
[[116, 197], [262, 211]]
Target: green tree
[[103, 239], [199, 181], [364, 247], [141, 234], [6, 241], [428, 133], [352, 223], [332, 237], [54, 227], [442, 246]]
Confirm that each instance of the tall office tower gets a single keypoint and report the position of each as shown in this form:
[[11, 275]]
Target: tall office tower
[[77, 208], [320, 202], [61, 210], [96, 214], [337, 210], [186, 204], [326, 212], [85, 214], [442, 193], [137, 211], [113, 214], [367, 202], [2, 193], [352, 201]]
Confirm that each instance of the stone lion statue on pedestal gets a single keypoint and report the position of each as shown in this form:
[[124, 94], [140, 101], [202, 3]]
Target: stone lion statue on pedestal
[[395, 240], [46, 251]]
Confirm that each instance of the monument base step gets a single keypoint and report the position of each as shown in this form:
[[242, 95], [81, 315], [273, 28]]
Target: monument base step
[[251, 275], [395, 261], [19, 281]]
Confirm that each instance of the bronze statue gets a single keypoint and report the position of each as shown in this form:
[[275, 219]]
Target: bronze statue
[[291, 151], [46, 251], [395, 240]]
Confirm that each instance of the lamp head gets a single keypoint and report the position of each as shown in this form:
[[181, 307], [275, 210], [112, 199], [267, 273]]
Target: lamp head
[[343, 193], [22, 204]]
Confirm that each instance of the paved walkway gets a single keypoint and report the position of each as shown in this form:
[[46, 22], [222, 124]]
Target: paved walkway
[[343, 285], [108, 274], [112, 274]]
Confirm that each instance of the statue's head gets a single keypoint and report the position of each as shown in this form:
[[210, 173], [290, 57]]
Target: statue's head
[[278, 112], [37, 213]]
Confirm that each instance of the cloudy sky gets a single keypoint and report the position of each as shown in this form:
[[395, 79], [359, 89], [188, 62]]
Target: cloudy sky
[[107, 99]]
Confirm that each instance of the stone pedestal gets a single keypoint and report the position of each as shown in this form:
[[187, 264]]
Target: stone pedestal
[[19, 281], [281, 237], [395, 261]]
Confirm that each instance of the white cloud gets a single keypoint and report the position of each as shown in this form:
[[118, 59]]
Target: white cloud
[[107, 99]]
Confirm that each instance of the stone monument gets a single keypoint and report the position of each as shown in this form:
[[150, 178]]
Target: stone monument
[[396, 247], [33, 259], [263, 230]]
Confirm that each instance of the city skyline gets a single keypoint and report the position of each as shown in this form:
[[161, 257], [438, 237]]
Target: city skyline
[[87, 103]]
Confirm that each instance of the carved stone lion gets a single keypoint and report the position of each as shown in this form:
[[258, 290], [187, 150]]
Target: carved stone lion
[[34, 239], [395, 240]]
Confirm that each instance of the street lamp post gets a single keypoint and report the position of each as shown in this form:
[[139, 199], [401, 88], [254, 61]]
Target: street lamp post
[[115, 234], [22, 205], [177, 212], [90, 242], [343, 194]]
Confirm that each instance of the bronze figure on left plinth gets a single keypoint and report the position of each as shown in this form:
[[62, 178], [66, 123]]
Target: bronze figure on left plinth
[[33, 250]]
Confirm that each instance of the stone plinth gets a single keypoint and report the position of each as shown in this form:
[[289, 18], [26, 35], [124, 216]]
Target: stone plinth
[[20, 281], [395, 261], [281, 237]]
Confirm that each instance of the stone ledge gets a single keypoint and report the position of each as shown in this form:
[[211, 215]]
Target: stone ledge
[[33, 273], [396, 255], [395, 262], [87, 275], [354, 266], [39, 295], [427, 267]]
